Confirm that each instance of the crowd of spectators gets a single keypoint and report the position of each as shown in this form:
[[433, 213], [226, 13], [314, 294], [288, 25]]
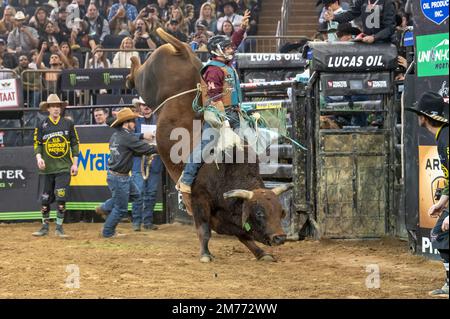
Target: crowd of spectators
[[59, 33]]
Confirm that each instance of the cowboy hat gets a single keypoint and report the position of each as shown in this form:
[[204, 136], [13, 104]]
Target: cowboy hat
[[52, 100], [431, 105], [19, 16], [137, 101], [124, 115]]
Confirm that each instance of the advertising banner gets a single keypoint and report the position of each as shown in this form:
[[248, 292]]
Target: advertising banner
[[352, 57], [270, 61], [432, 59], [93, 79], [9, 94], [19, 183], [432, 54], [355, 83]]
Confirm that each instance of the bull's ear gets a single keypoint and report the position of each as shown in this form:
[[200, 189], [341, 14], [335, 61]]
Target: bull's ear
[[282, 188], [238, 193]]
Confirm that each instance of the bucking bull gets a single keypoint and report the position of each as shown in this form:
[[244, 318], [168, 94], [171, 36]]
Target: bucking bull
[[229, 198]]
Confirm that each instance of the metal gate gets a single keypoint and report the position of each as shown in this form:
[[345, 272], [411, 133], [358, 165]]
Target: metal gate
[[351, 185]]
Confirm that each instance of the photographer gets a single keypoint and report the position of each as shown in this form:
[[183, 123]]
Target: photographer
[[141, 37], [50, 35], [79, 37], [22, 38]]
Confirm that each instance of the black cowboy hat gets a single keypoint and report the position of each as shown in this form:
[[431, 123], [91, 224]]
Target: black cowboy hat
[[326, 2], [230, 3], [431, 105]]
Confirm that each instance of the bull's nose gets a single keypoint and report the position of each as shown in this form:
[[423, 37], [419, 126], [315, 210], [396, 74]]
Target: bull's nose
[[278, 239]]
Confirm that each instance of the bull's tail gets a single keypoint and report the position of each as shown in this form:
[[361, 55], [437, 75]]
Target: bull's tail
[[135, 65], [179, 47]]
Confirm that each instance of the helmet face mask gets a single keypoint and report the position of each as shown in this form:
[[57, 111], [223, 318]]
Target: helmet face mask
[[218, 45]]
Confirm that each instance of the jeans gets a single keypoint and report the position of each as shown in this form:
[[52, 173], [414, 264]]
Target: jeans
[[122, 188], [147, 189], [33, 98], [195, 160]]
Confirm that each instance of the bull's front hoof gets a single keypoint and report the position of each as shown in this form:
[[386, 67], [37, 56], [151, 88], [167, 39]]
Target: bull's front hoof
[[267, 257], [206, 258]]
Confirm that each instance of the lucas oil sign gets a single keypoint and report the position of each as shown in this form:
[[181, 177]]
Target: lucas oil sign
[[435, 10]]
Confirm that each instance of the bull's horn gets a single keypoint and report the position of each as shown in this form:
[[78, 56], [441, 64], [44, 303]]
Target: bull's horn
[[238, 193], [282, 188]]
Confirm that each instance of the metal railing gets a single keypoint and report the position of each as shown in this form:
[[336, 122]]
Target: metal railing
[[284, 19], [268, 44]]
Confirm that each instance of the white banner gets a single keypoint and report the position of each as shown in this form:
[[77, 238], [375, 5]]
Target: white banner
[[9, 97]]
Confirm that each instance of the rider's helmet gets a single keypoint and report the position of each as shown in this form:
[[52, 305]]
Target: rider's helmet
[[217, 45]]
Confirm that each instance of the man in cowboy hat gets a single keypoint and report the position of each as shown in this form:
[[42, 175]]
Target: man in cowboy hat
[[123, 145], [430, 110], [144, 204], [22, 38], [56, 149], [229, 11]]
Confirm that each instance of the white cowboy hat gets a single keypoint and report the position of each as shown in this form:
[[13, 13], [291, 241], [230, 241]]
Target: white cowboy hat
[[19, 16], [123, 115], [52, 100], [137, 101]]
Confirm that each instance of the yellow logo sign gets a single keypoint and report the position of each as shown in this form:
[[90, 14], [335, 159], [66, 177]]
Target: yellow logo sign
[[430, 178], [92, 165], [57, 146], [61, 192]]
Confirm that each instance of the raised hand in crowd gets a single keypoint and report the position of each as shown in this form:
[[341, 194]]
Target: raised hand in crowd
[[44, 46], [329, 15], [246, 20]]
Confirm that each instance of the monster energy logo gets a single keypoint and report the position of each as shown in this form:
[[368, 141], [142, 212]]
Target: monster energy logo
[[107, 78], [72, 79]]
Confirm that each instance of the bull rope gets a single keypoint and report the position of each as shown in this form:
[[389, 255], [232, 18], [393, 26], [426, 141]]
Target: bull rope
[[175, 96]]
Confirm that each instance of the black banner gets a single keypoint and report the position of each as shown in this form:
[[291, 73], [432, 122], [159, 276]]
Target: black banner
[[270, 61], [352, 57], [19, 180], [93, 79], [356, 83]]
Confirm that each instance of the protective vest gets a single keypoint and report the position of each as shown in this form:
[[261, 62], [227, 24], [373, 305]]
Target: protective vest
[[232, 94]]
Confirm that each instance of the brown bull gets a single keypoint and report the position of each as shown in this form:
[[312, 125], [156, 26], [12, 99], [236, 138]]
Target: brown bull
[[230, 199]]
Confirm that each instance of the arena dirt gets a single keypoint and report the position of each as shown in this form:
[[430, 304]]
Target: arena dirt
[[165, 264]]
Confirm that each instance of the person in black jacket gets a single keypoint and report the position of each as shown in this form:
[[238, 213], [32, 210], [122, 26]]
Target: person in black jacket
[[430, 110], [378, 19], [123, 145]]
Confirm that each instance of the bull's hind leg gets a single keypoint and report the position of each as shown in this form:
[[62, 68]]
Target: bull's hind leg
[[204, 232], [258, 252]]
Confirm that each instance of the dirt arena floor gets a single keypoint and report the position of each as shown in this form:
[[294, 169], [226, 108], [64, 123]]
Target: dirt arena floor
[[165, 264]]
